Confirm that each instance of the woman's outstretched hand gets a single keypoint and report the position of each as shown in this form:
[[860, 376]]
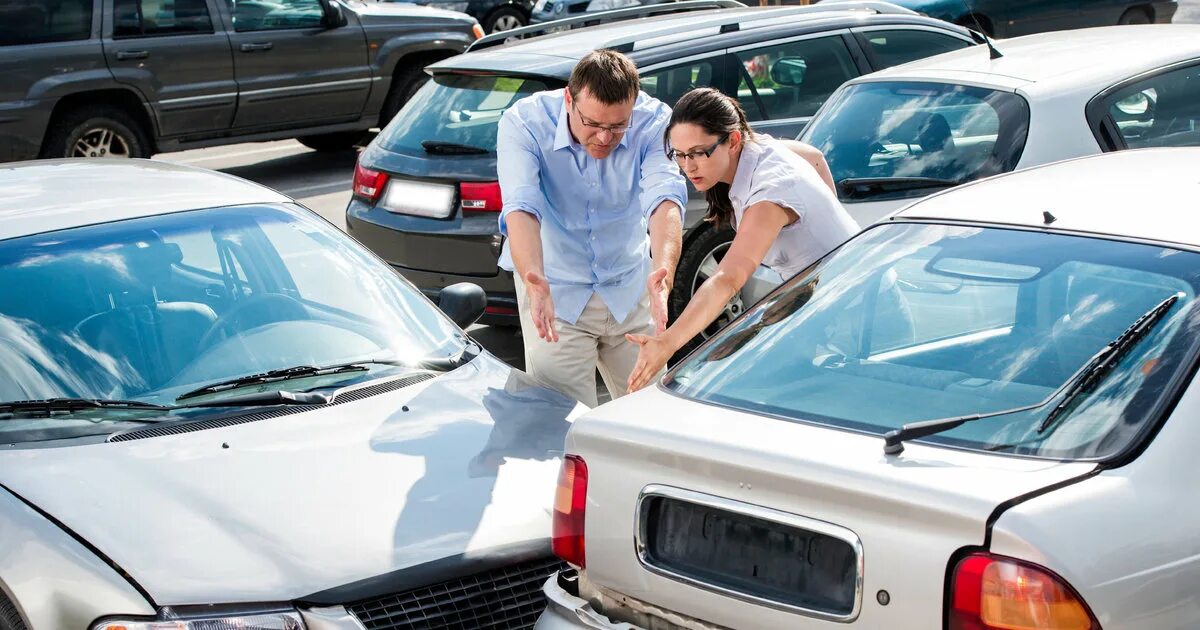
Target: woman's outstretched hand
[[652, 358]]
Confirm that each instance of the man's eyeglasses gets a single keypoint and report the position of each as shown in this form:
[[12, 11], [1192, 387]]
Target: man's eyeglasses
[[590, 124], [696, 156]]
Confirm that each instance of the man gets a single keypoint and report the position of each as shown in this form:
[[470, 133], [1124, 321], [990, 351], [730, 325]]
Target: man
[[584, 177]]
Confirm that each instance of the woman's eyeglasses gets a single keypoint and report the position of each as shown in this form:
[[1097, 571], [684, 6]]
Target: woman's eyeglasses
[[696, 156]]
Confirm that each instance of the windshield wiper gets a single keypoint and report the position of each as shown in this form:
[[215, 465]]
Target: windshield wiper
[[469, 351], [51, 405], [451, 148], [1084, 379], [271, 376], [860, 187]]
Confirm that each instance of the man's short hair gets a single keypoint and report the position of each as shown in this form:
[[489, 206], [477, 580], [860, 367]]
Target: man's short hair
[[609, 77]]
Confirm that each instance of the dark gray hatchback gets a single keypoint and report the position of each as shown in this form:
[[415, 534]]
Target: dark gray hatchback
[[425, 192]]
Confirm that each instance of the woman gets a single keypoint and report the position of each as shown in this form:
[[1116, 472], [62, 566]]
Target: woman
[[785, 211]]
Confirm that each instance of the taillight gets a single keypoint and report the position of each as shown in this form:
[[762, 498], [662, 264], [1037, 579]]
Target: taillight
[[477, 31], [569, 507], [993, 592], [481, 197], [368, 184]]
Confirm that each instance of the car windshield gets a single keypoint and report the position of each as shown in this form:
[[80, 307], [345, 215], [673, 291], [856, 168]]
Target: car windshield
[[455, 109], [943, 133], [912, 322], [150, 308]]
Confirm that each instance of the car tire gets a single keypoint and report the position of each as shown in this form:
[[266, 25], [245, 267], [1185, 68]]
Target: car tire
[[700, 254], [1136, 15], [96, 131], [10, 619], [332, 142], [504, 19], [404, 85]]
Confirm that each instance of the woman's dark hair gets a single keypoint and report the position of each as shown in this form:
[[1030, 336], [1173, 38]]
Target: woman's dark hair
[[720, 116]]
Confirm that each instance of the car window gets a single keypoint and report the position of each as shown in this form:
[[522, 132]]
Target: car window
[[669, 84], [456, 109], [893, 131], [894, 47], [140, 18], [1161, 111], [43, 21], [914, 322], [266, 15], [792, 80]]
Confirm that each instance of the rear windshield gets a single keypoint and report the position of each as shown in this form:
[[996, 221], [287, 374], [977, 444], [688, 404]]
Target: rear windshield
[[457, 109], [897, 131], [912, 322]]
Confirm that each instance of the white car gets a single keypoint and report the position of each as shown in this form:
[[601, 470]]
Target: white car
[[219, 411], [899, 134], [976, 415]]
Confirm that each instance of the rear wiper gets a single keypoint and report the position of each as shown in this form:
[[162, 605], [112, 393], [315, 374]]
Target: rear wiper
[[451, 148], [299, 371], [1084, 379], [860, 187], [51, 405]]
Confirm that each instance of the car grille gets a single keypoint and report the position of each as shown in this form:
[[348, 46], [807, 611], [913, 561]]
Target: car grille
[[507, 597]]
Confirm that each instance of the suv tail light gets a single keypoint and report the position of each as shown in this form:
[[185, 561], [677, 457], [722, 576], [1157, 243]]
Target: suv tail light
[[368, 184], [481, 197], [569, 506], [993, 592]]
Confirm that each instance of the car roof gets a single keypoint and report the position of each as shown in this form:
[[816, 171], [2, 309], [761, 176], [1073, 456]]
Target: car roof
[[1143, 194], [1054, 61], [47, 195], [662, 37]]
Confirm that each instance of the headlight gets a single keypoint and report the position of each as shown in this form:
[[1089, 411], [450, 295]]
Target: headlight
[[281, 620], [450, 6], [608, 5]]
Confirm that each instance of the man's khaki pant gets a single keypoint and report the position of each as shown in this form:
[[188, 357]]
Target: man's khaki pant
[[595, 341]]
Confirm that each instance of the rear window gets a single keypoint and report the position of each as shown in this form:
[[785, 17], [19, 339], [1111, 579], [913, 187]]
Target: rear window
[[457, 109], [893, 135], [44, 21]]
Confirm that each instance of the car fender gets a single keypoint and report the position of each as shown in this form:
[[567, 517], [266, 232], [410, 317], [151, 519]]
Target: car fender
[[55, 579]]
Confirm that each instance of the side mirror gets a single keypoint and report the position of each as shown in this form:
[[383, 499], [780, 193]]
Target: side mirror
[[333, 15], [789, 71], [463, 302]]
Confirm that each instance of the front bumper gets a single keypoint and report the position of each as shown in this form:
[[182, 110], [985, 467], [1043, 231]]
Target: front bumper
[[565, 611]]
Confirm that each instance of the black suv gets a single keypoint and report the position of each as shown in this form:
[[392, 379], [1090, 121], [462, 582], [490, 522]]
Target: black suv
[[130, 78], [425, 191]]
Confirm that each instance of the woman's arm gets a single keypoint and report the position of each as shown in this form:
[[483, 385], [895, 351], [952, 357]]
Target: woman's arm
[[813, 156], [757, 231]]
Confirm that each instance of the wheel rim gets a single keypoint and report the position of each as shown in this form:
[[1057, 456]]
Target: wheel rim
[[506, 23], [707, 268], [100, 142]]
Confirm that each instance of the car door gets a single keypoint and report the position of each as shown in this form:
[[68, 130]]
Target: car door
[[175, 54], [295, 68], [887, 46], [1035, 16], [781, 84]]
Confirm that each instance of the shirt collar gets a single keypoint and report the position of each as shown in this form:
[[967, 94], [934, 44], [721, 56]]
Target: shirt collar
[[562, 132], [739, 190]]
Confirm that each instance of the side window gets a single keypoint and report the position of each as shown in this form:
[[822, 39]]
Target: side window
[[145, 18], [264, 15], [792, 80], [44, 21], [892, 48], [670, 84], [1161, 111]]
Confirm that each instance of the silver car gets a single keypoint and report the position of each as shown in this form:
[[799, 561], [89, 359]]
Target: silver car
[[219, 411]]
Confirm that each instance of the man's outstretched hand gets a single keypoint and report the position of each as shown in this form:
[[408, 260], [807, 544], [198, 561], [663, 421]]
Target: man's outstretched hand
[[541, 305]]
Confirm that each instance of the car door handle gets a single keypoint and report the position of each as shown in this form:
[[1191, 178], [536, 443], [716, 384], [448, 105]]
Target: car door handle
[[126, 55], [257, 46]]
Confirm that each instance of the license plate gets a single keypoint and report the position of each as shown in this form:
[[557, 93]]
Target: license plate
[[423, 199]]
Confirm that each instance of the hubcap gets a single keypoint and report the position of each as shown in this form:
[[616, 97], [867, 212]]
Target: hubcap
[[506, 23], [101, 142], [706, 270]]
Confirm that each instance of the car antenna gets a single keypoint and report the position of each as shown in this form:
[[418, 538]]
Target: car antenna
[[992, 50]]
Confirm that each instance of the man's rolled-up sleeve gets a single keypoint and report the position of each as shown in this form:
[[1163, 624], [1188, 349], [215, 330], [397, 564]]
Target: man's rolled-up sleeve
[[661, 179], [519, 169]]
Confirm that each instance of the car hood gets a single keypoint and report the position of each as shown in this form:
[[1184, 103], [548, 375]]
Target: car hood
[[452, 468]]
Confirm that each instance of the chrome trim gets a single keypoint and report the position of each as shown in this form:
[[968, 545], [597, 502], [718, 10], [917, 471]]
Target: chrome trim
[[754, 511], [306, 86], [206, 97]]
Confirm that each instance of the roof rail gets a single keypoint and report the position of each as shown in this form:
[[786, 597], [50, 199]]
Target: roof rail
[[728, 23], [600, 17]]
